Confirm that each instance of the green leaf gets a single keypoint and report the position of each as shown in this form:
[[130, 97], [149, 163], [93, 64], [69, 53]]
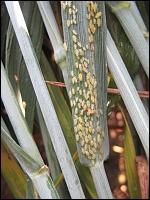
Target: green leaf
[[130, 164], [15, 64], [12, 172]]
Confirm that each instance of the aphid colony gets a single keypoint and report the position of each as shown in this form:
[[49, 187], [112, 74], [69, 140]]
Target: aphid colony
[[83, 95]]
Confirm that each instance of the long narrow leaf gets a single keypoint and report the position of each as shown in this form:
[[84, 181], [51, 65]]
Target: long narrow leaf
[[44, 100], [128, 93]]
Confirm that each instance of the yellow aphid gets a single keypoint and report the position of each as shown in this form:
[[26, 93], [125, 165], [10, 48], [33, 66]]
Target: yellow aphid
[[63, 5], [65, 46], [77, 65], [74, 32], [74, 7], [93, 29], [87, 46], [80, 92], [79, 44], [81, 52], [70, 11], [74, 38], [98, 22], [68, 23], [98, 15], [80, 77], [83, 151], [73, 91], [94, 21], [93, 162], [95, 7], [82, 143], [80, 119], [92, 99], [75, 46], [77, 137], [91, 39], [77, 52], [72, 73], [91, 13], [24, 104], [74, 21]]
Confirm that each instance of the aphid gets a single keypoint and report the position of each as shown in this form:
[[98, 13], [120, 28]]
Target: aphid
[[78, 88], [85, 83], [94, 150], [80, 119], [68, 23], [89, 137], [100, 156], [74, 7], [80, 77], [98, 15], [91, 39], [80, 67], [88, 16], [85, 70], [81, 113], [82, 143], [74, 103], [72, 73], [98, 138], [77, 137], [75, 122], [81, 52], [87, 153], [69, 3], [93, 162], [74, 38], [98, 129], [80, 127], [76, 111], [16, 78], [79, 105], [84, 107], [77, 52], [76, 10], [92, 99], [94, 21], [74, 16], [71, 103], [79, 44], [70, 11], [95, 7], [91, 143], [65, 47], [74, 32], [77, 99], [74, 21], [95, 145], [73, 12], [88, 103], [84, 48], [102, 133], [93, 29], [87, 46], [98, 22], [80, 92], [99, 144], [24, 104], [63, 5], [73, 91], [91, 13], [91, 152], [85, 64]]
